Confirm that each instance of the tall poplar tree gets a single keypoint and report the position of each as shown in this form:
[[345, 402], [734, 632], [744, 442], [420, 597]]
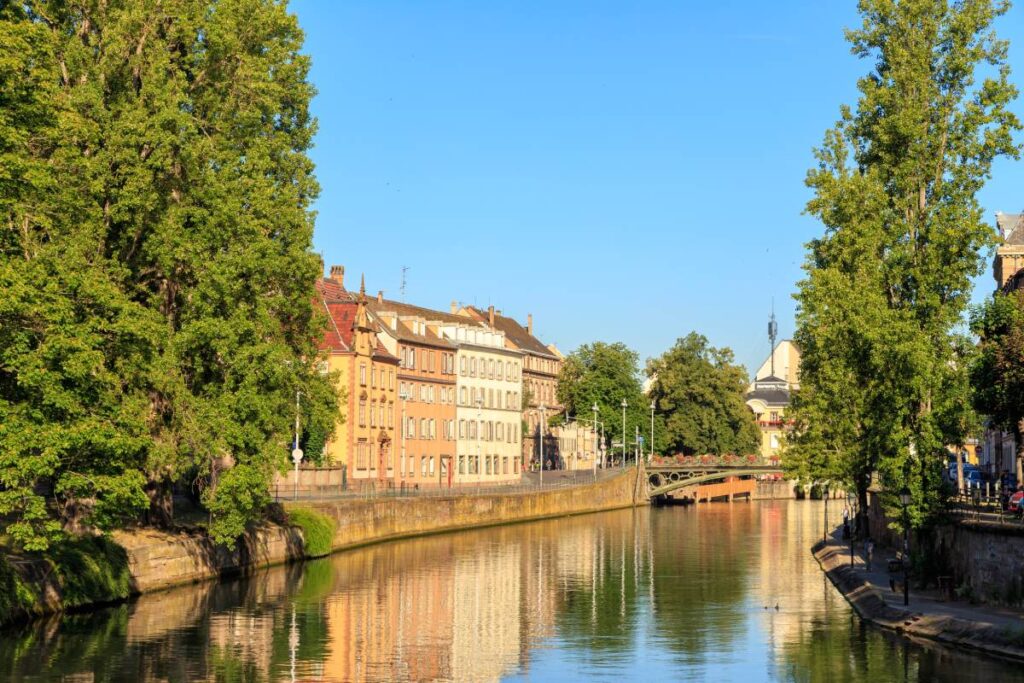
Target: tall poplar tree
[[156, 271], [896, 189]]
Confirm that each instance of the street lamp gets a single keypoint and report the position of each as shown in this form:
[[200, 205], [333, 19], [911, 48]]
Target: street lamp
[[594, 408], [296, 451], [540, 434], [624, 405], [905, 501], [652, 433]]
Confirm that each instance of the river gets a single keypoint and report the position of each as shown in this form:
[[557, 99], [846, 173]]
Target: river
[[724, 592]]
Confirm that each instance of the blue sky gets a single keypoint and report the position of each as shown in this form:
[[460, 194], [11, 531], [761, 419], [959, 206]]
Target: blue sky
[[624, 171]]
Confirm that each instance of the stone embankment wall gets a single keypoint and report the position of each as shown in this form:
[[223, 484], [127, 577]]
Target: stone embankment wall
[[985, 559], [774, 489], [360, 522], [158, 560]]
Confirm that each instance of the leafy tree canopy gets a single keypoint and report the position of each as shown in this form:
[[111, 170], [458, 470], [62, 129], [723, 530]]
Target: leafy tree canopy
[[895, 188], [698, 392], [156, 268]]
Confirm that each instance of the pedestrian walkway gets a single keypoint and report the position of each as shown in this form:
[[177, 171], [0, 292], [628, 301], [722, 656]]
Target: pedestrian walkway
[[991, 629], [929, 601]]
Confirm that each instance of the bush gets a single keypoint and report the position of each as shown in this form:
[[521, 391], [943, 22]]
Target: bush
[[317, 530], [16, 598], [91, 569]]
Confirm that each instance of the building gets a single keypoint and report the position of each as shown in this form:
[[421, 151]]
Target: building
[[577, 445], [426, 391], [768, 396], [488, 399], [364, 441], [996, 452], [541, 367]]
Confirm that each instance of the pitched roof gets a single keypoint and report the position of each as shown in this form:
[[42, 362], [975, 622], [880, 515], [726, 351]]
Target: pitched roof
[[772, 396], [515, 333], [1010, 227], [341, 308]]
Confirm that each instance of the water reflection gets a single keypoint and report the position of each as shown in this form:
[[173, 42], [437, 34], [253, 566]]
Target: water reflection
[[725, 592]]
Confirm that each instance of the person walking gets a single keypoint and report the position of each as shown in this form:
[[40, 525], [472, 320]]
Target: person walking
[[869, 552]]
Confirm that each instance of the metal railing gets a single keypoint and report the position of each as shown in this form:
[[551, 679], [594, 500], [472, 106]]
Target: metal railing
[[373, 491], [977, 507]]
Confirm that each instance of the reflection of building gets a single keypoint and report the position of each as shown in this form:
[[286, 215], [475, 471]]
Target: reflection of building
[[365, 439], [769, 394]]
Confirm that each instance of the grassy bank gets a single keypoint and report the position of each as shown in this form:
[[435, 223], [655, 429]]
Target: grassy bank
[[72, 573]]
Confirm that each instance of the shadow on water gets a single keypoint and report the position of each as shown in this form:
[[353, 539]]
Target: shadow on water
[[723, 592]]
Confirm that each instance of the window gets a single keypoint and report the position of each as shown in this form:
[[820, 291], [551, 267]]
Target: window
[[412, 359], [490, 397], [431, 369], [501, 431], [462, 464], [487, 460], [472, 367], [462, 429], [411, 428], [361, 455], [391, 415], [431, 465], [462, 366], [382, 423], [508, 369], [362, 412], [433, 428], [391, 380], [463, 395], [775, 440], [362, 374], [472, 429], [373, 413], [490, 369], [504, 465], [424, 434]]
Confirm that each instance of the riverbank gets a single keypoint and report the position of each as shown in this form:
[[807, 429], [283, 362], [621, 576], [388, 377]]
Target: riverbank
[[976, 628], [150, 560]]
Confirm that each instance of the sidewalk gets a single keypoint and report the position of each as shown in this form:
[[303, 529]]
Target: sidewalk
[[994, 630]]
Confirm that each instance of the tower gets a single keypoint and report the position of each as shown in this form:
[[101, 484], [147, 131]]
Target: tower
[[773, 332]]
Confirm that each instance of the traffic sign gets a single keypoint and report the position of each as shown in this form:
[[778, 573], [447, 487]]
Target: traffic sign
[[296, 455]]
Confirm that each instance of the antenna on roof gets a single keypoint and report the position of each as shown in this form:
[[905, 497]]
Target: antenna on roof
[[405, 269], [773, 332]]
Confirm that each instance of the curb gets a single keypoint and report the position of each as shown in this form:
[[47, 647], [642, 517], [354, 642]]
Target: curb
[[870, 606]]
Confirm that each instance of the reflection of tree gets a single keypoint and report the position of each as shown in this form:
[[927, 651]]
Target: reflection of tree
[[702, 563]]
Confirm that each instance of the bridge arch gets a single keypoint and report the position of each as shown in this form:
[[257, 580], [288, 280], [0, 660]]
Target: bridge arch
[[662, 481]]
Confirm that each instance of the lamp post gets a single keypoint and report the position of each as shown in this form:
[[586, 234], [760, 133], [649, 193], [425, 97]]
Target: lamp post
[[624, 405], [905, 501], [652, 434], [596, 451], [540, 437], [296, 451]]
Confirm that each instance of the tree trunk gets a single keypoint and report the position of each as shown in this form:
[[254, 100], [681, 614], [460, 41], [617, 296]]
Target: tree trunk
[[161, 504], [959, 470]]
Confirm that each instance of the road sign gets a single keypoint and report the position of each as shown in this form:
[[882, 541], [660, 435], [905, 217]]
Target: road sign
[[296, 455]]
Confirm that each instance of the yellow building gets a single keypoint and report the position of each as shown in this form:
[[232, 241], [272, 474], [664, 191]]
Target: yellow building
[[769, 394], [364, 439]]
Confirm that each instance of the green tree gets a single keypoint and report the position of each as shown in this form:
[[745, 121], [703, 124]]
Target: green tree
[[698, 392], [604, 375], [997, 373], [156, 262], [896, 189]]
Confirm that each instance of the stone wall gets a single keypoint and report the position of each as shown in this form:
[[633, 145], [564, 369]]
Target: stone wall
[[367, 521], [774, 489], [159, 559], [985, 559]]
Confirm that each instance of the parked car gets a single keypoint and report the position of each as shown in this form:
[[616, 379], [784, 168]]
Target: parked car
[[974, 479], [1016, 503]]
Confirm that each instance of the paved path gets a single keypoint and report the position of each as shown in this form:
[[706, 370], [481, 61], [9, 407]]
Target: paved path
[[922, 602]]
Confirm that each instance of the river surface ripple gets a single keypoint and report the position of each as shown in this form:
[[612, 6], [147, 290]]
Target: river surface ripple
[[724, 592]]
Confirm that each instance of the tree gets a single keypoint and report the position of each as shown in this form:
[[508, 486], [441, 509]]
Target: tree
[[698, 392], [604, 374], [997, 373], [156, 262], [895, 188]]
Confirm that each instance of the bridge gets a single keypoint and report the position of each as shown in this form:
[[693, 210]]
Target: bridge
[[665, 475]]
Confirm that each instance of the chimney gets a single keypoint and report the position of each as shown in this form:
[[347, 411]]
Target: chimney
[[490, 315], [529, 323], [380, 296], [454, 307], [338, 274]]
